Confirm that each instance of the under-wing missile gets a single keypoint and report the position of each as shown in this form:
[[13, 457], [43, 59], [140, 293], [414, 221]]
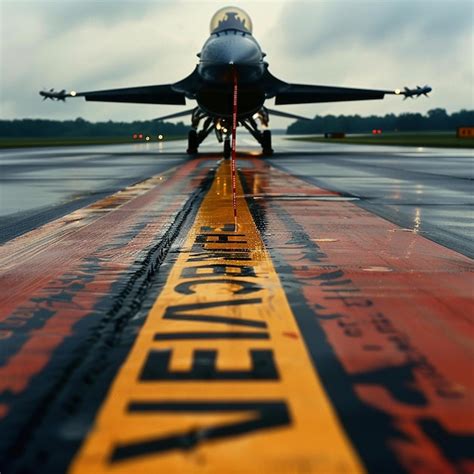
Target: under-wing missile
[[425, 90], [53, 95]]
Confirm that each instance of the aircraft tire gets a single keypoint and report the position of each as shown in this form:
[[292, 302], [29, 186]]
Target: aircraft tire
[[227, 148], [193, 142], [267, 142]]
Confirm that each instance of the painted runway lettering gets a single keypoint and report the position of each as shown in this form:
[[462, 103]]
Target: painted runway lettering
[[204, 367], [190, 313], [388, 319], [219, 379], [261, 415]]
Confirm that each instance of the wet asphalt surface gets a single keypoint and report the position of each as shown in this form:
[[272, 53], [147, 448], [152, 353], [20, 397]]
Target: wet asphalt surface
[[38, 185], [427, 190], [77, 291]]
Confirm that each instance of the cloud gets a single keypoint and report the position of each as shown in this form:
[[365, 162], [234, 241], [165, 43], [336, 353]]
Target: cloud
[[378, 45], [63, 15], [413, 26], [87, 49]]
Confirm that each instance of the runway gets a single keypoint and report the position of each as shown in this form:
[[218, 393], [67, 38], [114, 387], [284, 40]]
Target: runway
[[329, 331]]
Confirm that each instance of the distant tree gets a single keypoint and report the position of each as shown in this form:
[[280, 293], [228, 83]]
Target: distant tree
[[435, 120], [82, 128]]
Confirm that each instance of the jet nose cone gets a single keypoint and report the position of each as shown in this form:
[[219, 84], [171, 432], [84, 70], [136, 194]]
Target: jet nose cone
[[231, 49], [226, 52], [241, 53]]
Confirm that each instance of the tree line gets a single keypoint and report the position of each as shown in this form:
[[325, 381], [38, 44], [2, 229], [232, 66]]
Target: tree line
[[79, 128], [433, 120]]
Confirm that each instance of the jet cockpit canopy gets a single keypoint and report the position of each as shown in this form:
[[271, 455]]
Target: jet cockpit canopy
[[231, 18]]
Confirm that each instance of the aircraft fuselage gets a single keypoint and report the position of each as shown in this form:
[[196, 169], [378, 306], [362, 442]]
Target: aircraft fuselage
[[224, 54]]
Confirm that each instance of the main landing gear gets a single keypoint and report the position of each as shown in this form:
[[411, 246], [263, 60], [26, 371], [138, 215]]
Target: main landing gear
[[264, 138], [195, 138], [267, 142], [193, 142]]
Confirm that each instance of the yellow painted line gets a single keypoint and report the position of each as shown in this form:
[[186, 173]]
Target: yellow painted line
[[219, 379]]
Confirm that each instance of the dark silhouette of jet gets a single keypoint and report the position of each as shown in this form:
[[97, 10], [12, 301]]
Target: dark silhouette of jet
[[231, 51]]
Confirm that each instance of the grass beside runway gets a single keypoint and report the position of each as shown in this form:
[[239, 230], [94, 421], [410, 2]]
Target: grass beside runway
[[433, 139], [75, 141]]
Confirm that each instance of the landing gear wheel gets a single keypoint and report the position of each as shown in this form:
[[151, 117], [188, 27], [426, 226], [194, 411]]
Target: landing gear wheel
[[227, 148], [193, 142], [267, 142]]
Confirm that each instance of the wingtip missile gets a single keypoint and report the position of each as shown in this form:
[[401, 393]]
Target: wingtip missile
[[416, 92]]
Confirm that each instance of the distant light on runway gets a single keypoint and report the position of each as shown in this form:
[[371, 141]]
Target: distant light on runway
[[147, 138], [160, 137], [73, 93], [397, 91]]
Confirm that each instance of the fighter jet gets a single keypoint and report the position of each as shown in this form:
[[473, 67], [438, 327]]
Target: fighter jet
[[230, 56]]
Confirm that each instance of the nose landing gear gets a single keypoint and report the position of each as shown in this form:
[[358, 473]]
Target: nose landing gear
[[227, 148], [221, 127]]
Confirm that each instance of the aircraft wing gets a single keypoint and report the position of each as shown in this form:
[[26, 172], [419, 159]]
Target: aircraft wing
[[160, 94], [286, 93], [305, 94]]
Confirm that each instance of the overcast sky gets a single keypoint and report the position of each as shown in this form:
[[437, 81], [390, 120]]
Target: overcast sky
[[90, 44]]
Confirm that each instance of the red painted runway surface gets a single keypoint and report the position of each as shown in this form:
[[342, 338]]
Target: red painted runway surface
[[397, 311], [54, 276], [384, 314]]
